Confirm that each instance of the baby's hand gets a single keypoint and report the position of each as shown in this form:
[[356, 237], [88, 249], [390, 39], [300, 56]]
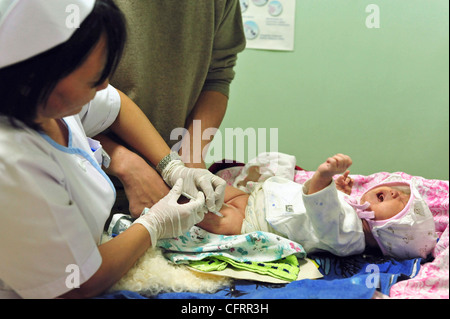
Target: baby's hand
[[344, 183], [337, 164]]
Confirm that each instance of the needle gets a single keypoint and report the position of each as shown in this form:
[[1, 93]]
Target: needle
[[190, 197]]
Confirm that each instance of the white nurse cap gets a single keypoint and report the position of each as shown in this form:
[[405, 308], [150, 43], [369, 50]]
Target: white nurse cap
[[31, 27]]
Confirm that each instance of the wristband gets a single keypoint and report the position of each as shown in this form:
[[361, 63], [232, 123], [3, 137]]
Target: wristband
[[166, 160]]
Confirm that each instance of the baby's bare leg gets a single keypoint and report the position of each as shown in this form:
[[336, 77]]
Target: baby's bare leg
[[233, 211]]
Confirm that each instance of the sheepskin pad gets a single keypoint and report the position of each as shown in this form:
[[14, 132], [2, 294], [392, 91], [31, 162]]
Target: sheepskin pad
[[153, 274]]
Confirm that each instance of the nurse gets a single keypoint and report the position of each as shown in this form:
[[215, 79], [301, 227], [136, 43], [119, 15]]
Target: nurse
[[56, 57]]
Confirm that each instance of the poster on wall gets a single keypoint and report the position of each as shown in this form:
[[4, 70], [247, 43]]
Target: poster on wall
[[269, 24]]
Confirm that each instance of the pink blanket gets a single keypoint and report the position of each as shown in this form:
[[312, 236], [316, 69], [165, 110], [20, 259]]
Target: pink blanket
[[432, 281]]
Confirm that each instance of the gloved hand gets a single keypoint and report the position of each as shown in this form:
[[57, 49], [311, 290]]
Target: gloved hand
[[168, 219], [196, 180]]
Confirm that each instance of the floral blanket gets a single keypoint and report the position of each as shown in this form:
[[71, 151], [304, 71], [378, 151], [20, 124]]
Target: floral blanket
[[198, 244]]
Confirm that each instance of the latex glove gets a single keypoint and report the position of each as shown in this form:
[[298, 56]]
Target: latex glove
[[196, 180], [168, 219]]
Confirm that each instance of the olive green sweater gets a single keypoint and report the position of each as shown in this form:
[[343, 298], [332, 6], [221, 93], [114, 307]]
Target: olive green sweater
[[175, 50]]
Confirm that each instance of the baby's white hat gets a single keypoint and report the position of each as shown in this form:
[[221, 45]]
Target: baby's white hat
[[31, 27], [409, 234]]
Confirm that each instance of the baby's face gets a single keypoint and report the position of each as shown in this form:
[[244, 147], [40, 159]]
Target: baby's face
[[385, 201]]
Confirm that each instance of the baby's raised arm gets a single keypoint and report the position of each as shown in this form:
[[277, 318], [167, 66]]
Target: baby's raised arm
[[323, 176]]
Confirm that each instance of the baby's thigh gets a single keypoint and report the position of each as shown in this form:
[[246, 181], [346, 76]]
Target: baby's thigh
[[233, 211]]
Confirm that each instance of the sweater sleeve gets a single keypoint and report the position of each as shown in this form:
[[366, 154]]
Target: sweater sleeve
[[334, 221], [229, 40]]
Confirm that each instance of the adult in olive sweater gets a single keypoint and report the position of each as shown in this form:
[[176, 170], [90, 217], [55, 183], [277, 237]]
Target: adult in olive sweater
[[177, 67]]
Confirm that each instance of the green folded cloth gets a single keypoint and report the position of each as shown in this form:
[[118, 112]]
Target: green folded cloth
[[284, 269]]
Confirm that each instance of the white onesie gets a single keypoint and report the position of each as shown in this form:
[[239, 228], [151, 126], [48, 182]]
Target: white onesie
[[323, 221]]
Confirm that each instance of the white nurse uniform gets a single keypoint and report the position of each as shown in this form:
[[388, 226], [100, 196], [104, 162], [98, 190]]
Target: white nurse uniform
[[55, 201]]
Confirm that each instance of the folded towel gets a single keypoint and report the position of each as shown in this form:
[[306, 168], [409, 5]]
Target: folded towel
[[284, 269]]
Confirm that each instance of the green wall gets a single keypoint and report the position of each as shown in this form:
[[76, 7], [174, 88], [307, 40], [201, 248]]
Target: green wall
[[379, 95]]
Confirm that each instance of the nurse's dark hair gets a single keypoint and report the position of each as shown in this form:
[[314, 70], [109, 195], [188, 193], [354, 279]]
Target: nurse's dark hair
[[26, 85]]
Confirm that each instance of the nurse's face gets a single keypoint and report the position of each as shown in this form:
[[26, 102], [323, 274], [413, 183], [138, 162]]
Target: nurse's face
[[78, 88]]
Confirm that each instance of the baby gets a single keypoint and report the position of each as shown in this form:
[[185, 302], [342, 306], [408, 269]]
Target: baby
[[321, 216]]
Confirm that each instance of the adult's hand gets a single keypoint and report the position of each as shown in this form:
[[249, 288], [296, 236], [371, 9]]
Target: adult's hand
[[197, 180], [168, 219]]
